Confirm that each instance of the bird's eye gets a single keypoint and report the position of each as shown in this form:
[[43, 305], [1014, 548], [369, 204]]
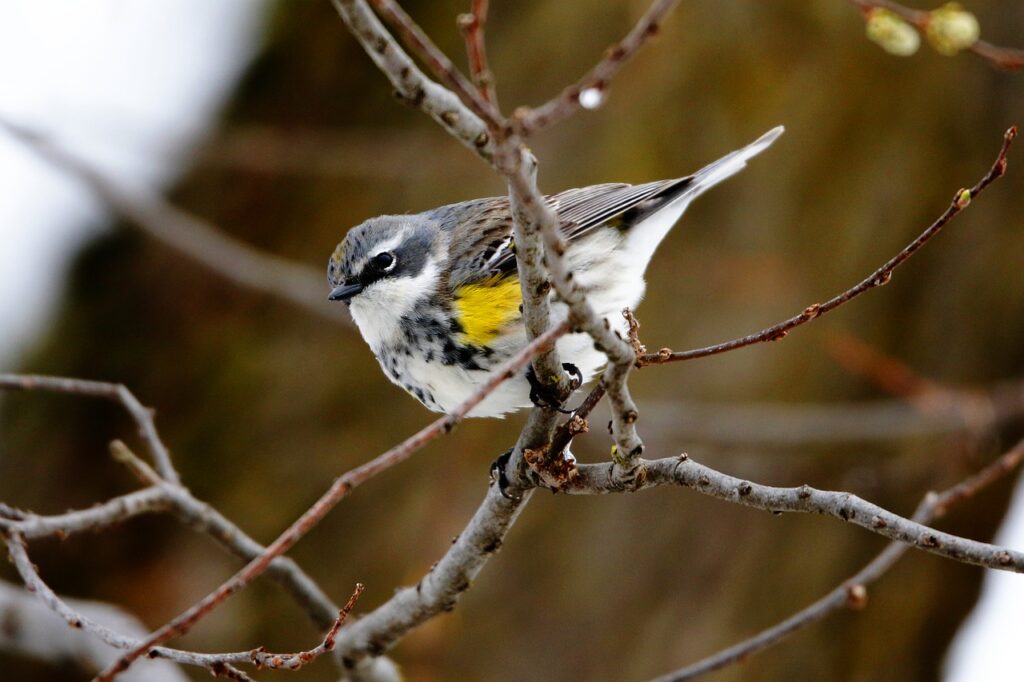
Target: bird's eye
[[384, 261]]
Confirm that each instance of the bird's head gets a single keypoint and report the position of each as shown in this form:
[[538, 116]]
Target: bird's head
[[387, 265]]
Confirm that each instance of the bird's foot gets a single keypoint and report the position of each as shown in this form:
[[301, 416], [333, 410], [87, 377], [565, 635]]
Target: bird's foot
[[544, 395], [498, 476]]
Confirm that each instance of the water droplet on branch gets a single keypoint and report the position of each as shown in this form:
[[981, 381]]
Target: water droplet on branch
[[591, 98]]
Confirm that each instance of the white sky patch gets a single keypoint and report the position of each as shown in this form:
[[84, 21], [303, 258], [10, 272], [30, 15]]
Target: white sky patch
[[988, 646], [129, 85]]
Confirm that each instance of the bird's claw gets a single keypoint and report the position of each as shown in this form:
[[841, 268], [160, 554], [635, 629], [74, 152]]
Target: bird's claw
[[542, 395], [498, 475]]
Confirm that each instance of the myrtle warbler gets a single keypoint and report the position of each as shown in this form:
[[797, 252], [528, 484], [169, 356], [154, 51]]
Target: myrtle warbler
[[436, 294]]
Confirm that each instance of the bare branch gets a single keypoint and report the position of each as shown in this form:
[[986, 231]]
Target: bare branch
[[598, 79], [596, 479], [619, 352], [79, 621], [111, 512], [411, 84], [162, 495], [852, 592], [298, 284], [878, 278]]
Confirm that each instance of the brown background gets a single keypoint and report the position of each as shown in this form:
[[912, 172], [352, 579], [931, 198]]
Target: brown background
[[263, 404]]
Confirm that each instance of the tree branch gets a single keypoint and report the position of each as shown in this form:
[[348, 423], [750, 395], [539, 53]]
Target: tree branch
[[597, 479], [1005, 58], [160, 495], [118, 393], [420, 44]]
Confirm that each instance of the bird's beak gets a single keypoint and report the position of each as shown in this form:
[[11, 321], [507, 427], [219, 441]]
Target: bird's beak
[[344, 292]]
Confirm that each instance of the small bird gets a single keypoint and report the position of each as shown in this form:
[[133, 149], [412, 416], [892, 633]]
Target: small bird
[[436, 295]]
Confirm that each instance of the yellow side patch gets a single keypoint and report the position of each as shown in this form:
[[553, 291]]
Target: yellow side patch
[[484, 308]]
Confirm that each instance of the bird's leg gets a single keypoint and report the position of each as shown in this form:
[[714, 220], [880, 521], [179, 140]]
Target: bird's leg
[[542, 394]]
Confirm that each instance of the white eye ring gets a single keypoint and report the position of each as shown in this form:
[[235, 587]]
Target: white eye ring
[[385, 261]]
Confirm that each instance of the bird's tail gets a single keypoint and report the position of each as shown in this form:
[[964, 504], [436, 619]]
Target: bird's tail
[[663, 211], [731, 163]]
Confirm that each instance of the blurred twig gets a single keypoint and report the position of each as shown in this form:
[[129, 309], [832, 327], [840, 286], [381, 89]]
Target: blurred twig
[[970, 411], [298, 284]]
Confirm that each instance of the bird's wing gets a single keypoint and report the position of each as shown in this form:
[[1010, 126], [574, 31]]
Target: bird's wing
[[481, 231]]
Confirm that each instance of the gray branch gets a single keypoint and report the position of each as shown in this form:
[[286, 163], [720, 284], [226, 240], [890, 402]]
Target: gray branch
[[597, 479]]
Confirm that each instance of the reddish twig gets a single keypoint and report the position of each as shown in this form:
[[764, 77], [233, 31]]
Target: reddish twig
[[878, 278], [889, 374], [852, 593], [262, 659], [598, 79], [472, 26], [338, 491]]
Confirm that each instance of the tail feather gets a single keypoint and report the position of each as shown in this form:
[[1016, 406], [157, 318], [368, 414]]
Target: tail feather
[[731, 163], [654, 220]]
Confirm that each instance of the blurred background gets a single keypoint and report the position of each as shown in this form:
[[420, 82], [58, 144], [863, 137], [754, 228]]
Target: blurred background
[[265, 118]]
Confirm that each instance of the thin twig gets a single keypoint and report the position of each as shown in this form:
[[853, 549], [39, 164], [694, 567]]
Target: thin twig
[[852, 592], [164, 494], [18, 552], [878, 278], [264, 659], [113, 511], [411, 84], [472, 26], [598, 79]]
